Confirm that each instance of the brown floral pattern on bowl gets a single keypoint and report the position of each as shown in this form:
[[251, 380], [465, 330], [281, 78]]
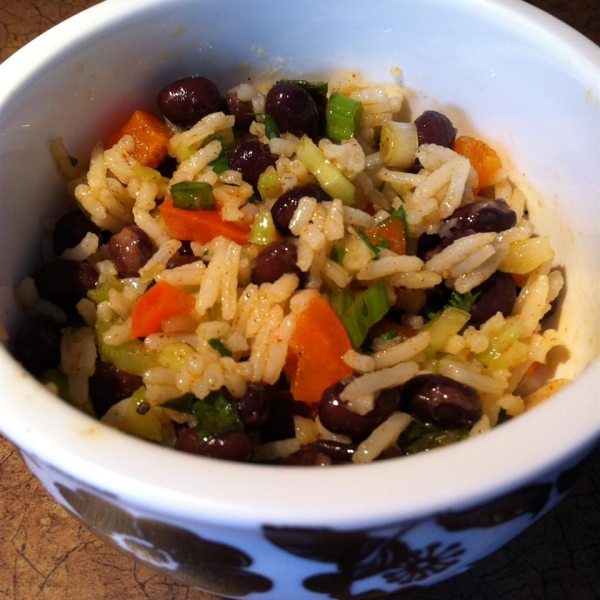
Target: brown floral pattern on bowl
[[206, 564]]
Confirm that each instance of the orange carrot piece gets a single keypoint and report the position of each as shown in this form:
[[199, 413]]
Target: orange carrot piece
[[200, 225], [520, 279], [392, 231], [160, 302], [314, 360], [483, 158], [150, 135]]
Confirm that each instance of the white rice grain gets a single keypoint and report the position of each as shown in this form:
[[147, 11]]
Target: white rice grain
[[382, 437], [389, 265], [402, 351], [370, 383]]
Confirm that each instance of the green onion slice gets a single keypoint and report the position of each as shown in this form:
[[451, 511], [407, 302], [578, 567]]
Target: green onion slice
[[330, 178], [193, 195], [343, 116], [398, 144]]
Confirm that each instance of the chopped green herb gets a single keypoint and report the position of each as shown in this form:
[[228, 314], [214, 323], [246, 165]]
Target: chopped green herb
[[73, 161], [375, 248], [220, 347], [433, 308], [193, 195], [182, 404], [360, 312], [400, 213], [389, 335], [271, 129], [216, 414], [463, 301], [503, 416], [220, 165], [420, 437], [337, 254], [317, 89]]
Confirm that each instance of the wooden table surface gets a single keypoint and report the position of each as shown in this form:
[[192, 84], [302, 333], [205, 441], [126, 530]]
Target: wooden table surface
[[45, 554]]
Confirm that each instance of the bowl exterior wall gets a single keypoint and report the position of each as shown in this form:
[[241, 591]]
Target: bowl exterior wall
[[342, 564]]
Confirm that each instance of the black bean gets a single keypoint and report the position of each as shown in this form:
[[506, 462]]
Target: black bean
[[130, 250], [293, 109], [426, 244], [497, 294], [234, 445], [441, 401], [37, 345], [108, 386], [253, 406], [339, 451], [180, 260], [251, 159], [434, 127], [65, 282], [186, 101], [279, 424], [480, 217], [338, 418], [70, 229], [309, 456], [274, 261], [240, 109], [284, 207]]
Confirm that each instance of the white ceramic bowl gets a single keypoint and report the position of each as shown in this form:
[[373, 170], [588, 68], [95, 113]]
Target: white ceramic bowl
[[501, 70]]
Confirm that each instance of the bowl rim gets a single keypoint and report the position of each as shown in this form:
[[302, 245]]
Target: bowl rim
[[242, 494]]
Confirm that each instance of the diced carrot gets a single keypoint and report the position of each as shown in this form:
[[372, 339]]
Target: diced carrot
[[532, 368], [160, 302], [483, 158], [520, 279], [200, 225], [150, 135], [314, 360], [392, 231]]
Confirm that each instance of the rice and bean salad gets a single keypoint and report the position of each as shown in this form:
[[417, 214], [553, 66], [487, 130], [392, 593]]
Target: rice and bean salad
[[289, 274]]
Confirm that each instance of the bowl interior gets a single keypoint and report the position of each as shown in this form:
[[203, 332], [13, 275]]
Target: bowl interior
[[504, 71]]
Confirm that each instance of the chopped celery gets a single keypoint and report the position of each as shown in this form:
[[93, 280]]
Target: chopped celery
[[263, 231], [398, 144], [269, 186], [140, 418], [360, 312], [507, 335], [131, 356], [146, 173], [328, 175], [526, 255], [173, 356], [343, 116], [442, 328], [193, 195], [100, 292]]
